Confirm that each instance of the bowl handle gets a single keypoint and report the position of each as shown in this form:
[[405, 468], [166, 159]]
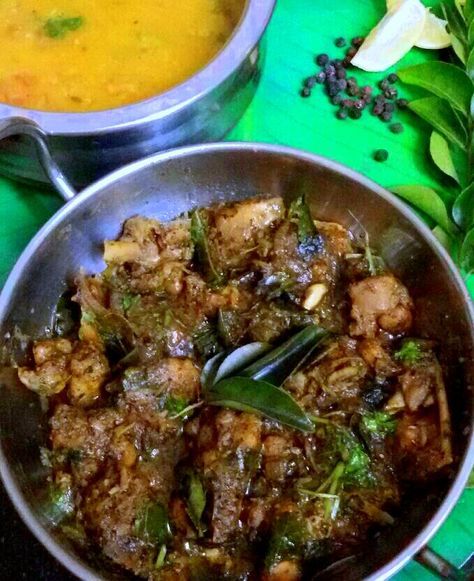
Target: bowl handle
[[444, 569], [21, 126]]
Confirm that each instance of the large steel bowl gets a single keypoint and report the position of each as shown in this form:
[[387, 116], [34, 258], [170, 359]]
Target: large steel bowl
[[203, 108], [167, 184]]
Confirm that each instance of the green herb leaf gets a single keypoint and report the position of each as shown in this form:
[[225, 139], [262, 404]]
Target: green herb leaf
[[357, 471], [429, 202], [287, 539], [202, 253], [175, 405], [260, 397], [310, 242], [160, 559], [410, 352], [444, 80], [456, 23], [205, 339], [463, 208], [470, 65], [209, 370], [282, 361], [152, 524], [379, 423], [196, 501], [60, 503], [439, 150], [129, 300], [443, 238], [466, 258], [241, 358], [459, 48], [58, 26], [440, 115]]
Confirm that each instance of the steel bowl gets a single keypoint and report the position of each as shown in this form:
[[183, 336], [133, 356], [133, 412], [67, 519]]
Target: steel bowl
[[203, 108], [163, 186]]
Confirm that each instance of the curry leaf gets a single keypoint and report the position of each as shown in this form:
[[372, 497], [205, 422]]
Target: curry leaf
[[444, 239], [467, 252], [459, 48], [202, 253], [439, 113], [379, 423], [309, 240], [463, 208], [470, 65], [196, 501], [281, 362], [240, 358], [444, 80], [152, 524], [209, 370], [456, 23], [439, 150], [428, 201], [60, 503], [261, 397]]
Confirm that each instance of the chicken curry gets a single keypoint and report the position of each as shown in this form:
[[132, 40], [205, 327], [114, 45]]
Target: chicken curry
[[238, 395]]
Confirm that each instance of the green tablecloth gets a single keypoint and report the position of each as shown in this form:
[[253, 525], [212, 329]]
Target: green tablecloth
[[299, 30]]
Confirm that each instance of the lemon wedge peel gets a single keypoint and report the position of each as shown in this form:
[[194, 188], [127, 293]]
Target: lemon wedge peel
[[394, 36], [434, 35]]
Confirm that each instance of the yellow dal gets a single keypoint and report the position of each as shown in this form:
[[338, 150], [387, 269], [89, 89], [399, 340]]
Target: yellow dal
[[116, 51]]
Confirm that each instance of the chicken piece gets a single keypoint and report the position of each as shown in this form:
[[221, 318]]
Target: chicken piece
[[51, 374], [175, 377], [229, 444], [337, 238], [89, 370], [86, 435], [278, 453], [380, 302], [416, 387], [243, 226], [284, 571], [377, 357]]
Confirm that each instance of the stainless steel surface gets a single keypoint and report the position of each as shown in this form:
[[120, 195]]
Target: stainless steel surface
[[204, 108], [167, 184]]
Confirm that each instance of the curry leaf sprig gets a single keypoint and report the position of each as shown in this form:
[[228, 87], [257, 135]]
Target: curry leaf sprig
[[450, 111], [250, 378]]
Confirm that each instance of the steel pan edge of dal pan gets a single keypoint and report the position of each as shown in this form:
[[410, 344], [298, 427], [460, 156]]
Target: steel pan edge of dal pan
[[202, 108]]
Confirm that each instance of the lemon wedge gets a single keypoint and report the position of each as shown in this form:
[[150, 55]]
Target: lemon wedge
[[397, 32], [434, 33]]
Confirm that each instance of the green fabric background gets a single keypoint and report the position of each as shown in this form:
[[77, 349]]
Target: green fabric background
[[299, 30]]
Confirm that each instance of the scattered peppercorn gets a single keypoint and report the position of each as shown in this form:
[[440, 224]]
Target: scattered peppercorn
[[392, 78], [305, 92], [402, 103], [310, 82], [322, 59], [342, 113], [341, 73], [341, 84], [381, 155], [386, 116], [389, 107], [357, 41], [337, 63], [396, 128], [355, 113], [391, 93], [337, 99], [351, 52], [384, 84], [321, 77], [340, 42]]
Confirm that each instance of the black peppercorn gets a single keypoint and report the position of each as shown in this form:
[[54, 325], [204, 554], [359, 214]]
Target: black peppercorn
[[381, 155], [396, 128], [337, 99], [340, 42], [310, 82], [402, 103], [357, 41], [305, 92], [392, 78], [342, 113], [322, 59], [355, 113]]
